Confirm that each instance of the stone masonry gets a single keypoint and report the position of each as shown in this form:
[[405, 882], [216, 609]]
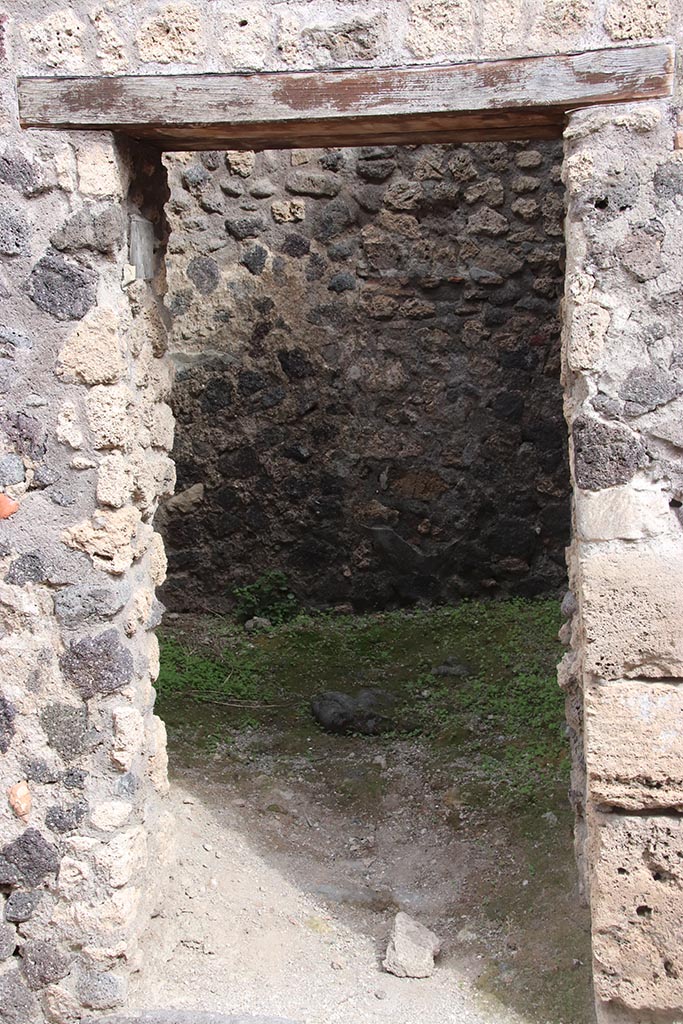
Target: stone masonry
[[85, 431], [367, 384]]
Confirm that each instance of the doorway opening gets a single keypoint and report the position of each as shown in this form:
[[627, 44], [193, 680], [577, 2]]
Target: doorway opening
[[372, 501]]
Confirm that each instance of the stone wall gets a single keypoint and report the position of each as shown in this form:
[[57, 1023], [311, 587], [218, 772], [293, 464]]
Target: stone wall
[[623, 377], [85, 429], [367, 381]]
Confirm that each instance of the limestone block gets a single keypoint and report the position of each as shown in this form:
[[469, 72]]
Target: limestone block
[[56, 41], [157, 560], [637, 19], [440, 27], [634, 744], [110, 45], [114, 480], [240, 163], [629, 512], [92, 353], [163, 427], [124, 857], [103, 916], [111, 815], [585, 336], [110, 538], [68, 426], [172, 34], [246, 38], [631, 606], [99, 172], [129, 731], [60, 1006], [110, 415], [283, 211], [158, 757], [637, 911], [75, 878]]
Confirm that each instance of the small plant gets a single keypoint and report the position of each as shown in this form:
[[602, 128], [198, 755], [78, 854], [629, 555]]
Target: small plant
[[269, 597]]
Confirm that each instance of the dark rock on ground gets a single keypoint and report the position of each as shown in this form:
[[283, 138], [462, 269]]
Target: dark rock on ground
[[341, 713]]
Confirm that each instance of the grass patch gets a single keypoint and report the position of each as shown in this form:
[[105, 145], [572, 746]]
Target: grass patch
[[505, 718]]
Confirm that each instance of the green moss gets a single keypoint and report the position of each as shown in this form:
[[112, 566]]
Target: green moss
[[506, 717]]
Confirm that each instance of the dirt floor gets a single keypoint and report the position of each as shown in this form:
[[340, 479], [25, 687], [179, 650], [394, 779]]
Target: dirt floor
[[296, 849]]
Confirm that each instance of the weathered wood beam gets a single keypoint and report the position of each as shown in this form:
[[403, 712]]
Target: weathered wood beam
[[526, 97]]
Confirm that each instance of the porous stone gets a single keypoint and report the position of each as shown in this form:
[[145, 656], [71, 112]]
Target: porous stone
[[32, 857], [637, 19], [12, 470], [42, 963], [172, 34], [80, 603], [18, 1005], [102, 991], [245, 227], [14, 234], [28, 568], [20, 907], [63, 289], [63, 819], [98, 664], [55, 42], [66, 728], [7, 727], [605, 455], [204, 273], [623, 719], [92, 354], [312, 183], [636, 889], [412, 948], [18, 172], [8, 941], [630, 604]]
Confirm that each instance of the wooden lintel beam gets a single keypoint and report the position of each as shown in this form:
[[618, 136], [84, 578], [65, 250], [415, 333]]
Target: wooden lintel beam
[[525, 97]]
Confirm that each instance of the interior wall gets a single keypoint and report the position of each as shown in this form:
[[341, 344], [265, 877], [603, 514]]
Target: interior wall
[[367, 391]]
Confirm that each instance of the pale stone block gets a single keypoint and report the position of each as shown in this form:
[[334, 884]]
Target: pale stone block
[[75, 878], [631, 605], [68, 426], [157, 560], [129, 731], [56, 42], [111, 814], [285, 211], [114, 480], [585, 336], [124, 857], [158, 757], [172, 34], [637, 19], [110, 415], [637, 911], [440, 27], [240, 162], [99, 173], [163, 427], [92, 354], [110, 45], [111, 539], [634, 744], [634, 511]]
